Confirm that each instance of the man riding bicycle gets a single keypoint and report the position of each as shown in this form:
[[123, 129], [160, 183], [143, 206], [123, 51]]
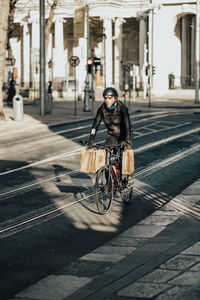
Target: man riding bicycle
[[116, 119]]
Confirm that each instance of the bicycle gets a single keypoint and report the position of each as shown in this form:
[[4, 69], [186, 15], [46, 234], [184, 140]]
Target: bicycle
[[109, 180]]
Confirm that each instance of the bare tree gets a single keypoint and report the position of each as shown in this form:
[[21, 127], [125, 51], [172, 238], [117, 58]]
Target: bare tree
[[7, 9], [49, 24], [4, 13]]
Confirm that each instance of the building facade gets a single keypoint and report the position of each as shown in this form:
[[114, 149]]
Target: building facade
[[126, 35]]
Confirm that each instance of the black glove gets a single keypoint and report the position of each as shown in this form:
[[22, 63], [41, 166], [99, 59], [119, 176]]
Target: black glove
[[90, 144], [125, 145]]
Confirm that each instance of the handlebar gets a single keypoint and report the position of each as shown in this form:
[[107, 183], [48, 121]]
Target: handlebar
[[99, 146]]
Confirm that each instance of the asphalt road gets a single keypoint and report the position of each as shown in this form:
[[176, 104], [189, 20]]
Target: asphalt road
[[48, 216]]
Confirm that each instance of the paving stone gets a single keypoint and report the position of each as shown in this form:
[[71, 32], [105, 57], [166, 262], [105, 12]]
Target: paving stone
[[180, 262], [164, 212], [142, 290], [159, 220], [103, 257], [190, 199], [128, 241], [194, 250], [196, 267], [148, 231], [187, 278], [86, 268], [53, 288], [193, 189], [159, 275], [180, 293], [114, 250]]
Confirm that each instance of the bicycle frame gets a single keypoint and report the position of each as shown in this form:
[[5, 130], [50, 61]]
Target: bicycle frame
[[113, 162]]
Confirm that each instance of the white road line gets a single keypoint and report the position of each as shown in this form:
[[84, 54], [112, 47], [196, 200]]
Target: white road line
[[137, 131], [30, 185], [164, 163], [49, 159], [166, 140]]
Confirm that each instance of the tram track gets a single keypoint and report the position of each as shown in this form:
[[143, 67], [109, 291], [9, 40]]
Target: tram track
[[7, 193], [49, 212]]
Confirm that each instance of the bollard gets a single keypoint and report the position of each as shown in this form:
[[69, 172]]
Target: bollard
[[18, 108]]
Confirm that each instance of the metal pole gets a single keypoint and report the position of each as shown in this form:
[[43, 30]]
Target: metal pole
[[42, 59], [75, 104], [87, 87], [197, 55], [145, 64], [150, 33], [104, 58]]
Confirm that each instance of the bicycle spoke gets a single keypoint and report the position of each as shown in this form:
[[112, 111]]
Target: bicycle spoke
[[103, 190]]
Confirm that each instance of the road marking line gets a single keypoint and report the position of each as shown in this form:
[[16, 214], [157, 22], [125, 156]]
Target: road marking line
[[166, 140]]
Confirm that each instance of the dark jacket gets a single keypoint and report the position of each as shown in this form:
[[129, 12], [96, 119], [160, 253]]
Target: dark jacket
[[117, 122]]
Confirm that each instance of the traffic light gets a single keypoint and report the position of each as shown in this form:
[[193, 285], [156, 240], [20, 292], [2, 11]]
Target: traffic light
[[153, 70], [96, 62], [89, 65], [146, 70], [36, 68]]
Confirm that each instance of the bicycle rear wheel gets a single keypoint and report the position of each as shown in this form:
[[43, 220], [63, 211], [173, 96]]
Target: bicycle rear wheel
[[104, 190], [127, 192]]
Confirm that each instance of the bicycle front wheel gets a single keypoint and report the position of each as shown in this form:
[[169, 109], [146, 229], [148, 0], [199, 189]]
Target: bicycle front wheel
[[104, 190]]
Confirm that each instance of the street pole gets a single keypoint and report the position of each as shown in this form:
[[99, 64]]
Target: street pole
[[87, 86], [104, 57], [42, 59], [145, 64], [150, 52], [197, 56]]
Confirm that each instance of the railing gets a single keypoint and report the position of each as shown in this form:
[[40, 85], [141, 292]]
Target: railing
[[184, 82]]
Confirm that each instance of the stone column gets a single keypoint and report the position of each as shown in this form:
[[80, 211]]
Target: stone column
[[59, 54], [108, 65], [142, 43], [193, 48], [35, 35], [118, 52], [184, 52], [81, 52], [26, 55], [35, 53], [161, 51], [143, 52]]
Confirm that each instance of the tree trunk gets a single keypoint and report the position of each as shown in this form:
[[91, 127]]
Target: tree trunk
[[49, 25], [4, 13]]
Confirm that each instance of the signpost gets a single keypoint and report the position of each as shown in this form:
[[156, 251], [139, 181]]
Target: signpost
[[74, 62]]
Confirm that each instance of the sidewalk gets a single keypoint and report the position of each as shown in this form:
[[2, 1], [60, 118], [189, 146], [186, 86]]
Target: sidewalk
[[159, 258]]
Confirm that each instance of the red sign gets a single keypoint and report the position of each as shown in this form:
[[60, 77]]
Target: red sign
[[74, 61]]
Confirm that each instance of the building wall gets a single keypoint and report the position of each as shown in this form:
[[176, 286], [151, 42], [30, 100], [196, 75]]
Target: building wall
[[119, 33]]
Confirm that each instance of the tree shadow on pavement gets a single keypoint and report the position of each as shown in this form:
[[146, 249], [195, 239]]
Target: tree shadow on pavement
[[77, 185]]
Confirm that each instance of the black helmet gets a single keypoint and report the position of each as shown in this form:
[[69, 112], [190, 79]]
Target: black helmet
[[110, 91]]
